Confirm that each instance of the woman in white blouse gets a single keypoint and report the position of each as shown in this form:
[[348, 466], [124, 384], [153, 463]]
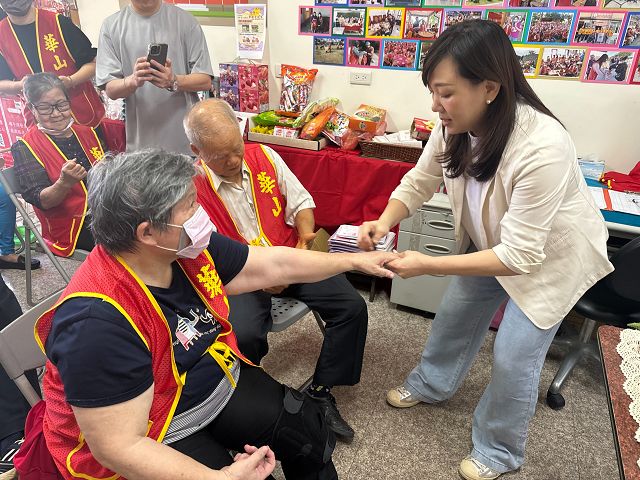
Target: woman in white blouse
[[517, 193]]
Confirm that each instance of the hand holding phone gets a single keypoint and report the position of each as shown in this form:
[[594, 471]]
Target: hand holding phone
[[157, 52]]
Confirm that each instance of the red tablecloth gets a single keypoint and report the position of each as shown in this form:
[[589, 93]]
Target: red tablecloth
[[346, 187]]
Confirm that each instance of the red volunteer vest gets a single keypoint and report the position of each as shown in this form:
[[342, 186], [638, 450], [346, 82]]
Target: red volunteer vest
[[109, 278], [86, 106], [61, 225], [267, 199]]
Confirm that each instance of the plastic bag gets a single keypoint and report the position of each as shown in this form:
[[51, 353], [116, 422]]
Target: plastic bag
[[337, 130], [271, 119], [313, 109], [296, 87]]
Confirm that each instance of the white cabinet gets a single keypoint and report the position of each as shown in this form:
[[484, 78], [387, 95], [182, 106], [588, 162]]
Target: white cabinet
[[429, 231]]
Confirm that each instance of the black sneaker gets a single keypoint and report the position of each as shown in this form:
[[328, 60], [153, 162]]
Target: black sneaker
[[335, 422], [6, 457]]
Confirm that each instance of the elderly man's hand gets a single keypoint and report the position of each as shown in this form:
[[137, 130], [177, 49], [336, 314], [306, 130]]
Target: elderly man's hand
[[254, 464], [374, 263], [305, 241], [162, 75]]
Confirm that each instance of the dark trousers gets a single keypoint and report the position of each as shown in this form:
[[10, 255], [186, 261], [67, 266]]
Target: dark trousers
[[85, 239], [252, 417], [13, 406], [340, 306]]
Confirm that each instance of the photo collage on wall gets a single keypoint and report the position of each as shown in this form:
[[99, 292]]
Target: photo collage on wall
[[579, 40]]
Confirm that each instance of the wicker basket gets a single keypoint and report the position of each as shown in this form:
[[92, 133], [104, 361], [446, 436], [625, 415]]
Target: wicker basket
[[390, 151]]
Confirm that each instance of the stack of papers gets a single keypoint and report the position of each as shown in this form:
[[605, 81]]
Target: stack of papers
[[616, 201], [346, 240]]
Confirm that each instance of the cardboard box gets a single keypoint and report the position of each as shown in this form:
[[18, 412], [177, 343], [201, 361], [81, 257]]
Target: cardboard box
[[245, 86], [287, 142]]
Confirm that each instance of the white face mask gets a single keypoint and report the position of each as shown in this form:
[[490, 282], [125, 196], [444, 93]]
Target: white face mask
[[49, 131], [198, 228]]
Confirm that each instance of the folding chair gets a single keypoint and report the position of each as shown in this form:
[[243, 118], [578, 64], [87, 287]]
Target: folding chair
[[19, 351], [286, 311], [12, 187]]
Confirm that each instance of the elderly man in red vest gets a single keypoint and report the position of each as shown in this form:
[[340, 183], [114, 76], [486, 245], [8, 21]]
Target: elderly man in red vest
[[252, 197], [34, 40]]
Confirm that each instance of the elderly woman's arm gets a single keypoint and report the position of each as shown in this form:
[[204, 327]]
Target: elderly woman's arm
[[117, 438], [272, 266]]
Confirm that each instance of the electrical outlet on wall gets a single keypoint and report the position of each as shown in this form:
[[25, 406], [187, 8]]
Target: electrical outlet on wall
[[360, 77]]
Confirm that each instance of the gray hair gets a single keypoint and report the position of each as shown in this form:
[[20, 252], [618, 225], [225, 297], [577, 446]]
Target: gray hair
[[38, 84], [130, 188], [215, 110]]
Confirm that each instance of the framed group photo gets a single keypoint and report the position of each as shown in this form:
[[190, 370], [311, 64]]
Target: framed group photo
[[631, 33], [550, 26], [608, 66], [529, 3], [363, 52], [513, 22], [385, 22], [348, 22], [621, 4], [528, 56], [451, 17], [582, 4], [562, 63], [314, 21], [331, 2], [329, 50], [400, 54], [423, 24], [368, 3], [598, 28]]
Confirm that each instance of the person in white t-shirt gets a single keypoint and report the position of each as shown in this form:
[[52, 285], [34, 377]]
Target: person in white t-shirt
[[517, 193]]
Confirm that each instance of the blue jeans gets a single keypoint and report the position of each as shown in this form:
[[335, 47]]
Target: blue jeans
[[501, 419], [7, 223]]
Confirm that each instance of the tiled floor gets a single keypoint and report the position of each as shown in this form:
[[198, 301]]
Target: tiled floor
[[427, 442]]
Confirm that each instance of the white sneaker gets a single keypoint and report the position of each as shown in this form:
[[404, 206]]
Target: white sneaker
[[400, 397], [472, 469]]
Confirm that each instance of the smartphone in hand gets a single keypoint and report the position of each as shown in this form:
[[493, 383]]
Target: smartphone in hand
[[157, 52]]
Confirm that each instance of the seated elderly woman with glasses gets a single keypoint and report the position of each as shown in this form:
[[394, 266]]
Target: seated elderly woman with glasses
[[52, 161], [144, 378]]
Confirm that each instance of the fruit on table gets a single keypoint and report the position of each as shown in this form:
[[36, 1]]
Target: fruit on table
[[262, 129]]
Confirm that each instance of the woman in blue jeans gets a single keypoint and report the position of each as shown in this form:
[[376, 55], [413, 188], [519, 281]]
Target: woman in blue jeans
[[539, 240], [8, 257]]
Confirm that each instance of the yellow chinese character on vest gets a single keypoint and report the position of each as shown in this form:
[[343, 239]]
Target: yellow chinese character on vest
[[50, 42], [267, 184], [211, 281], [96, 152]]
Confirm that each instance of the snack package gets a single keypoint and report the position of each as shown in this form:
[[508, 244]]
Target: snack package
[[313, 109], [271, 119], [421, 128], [368, 118], [296, 87], [286, 132], [337, 130], [313, 128]]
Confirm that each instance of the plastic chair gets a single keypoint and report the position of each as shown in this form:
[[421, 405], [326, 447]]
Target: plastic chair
[[19, 351], [285, 311], [614, 300], [12, 187]]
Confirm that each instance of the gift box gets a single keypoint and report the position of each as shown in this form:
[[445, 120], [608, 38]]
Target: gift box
[[245, 86]]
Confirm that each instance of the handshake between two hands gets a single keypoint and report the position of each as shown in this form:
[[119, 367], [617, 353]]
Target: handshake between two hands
[[384, 264]]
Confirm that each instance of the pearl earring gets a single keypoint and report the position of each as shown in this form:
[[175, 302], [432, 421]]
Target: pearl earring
[[488, 102]]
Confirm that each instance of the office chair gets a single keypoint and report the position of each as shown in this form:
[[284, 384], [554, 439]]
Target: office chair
[[614, 300], [19, 351], [12, 187], [286, 311]]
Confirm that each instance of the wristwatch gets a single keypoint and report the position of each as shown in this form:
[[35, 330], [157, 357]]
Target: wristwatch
[[174, 85]]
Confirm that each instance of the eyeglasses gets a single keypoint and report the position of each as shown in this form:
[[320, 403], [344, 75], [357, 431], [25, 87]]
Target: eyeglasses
[[47, 108]]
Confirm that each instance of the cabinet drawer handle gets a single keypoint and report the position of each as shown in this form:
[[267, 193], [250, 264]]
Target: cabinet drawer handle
[[440, 225], [439, 249]]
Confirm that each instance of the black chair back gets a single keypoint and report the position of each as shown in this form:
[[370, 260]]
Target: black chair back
[[625, 280]]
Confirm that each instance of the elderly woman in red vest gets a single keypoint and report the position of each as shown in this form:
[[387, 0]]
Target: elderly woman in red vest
[[52, 160], [33, 40], [144, 377]]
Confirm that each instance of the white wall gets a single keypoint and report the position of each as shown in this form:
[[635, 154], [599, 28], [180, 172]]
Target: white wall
[[603, 119]]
